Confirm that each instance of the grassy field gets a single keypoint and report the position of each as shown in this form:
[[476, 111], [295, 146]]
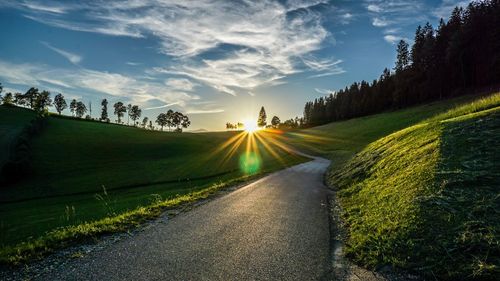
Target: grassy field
[[424, 198], [339, 141], [12, 121], [86, 171]]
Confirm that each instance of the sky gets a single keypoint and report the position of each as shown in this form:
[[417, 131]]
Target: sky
[[216, 61]]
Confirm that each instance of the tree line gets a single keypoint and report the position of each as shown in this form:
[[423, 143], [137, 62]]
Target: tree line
[[276, 123], [40, 101], [460, 56]]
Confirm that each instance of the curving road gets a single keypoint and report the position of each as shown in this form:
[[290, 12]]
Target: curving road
[[276, 228]]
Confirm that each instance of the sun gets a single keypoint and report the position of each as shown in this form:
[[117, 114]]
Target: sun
[[250, 125]]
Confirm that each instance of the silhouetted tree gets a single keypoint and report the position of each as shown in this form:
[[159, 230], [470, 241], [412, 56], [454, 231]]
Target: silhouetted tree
[[169, 119], [275, 122], [81, 109], [42, 101], [31, 95], [162, 120], [72, 107], [151, 125], [104, 110], [8, 99], [120, 109], [60, 103], [20, 99], [145, 122], [129, 112], [403, 56], [135, 113], [261, 121]]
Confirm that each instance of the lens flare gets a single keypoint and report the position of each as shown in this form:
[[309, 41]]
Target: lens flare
[[250, 125], [250, 163]]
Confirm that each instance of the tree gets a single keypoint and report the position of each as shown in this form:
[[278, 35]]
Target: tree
[[8, 99], [161, 120], [42, 101], [31, 95], [72, 107], [275, 121], [169, 118], [261, 121], [129, 111], [403, 56], [104, 110], [20, 99], [120, 109], [144, 122], [151, 125], [135, 113], [60, 103], [81, 109], [185, 122]]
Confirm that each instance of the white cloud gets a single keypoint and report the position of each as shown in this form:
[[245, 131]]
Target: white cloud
[[45, 8], [73, 58], [380, 22], [324, 91], [180, 84], [392, 38], [136, 90], [374, 8], [200, 111], [270, 37]]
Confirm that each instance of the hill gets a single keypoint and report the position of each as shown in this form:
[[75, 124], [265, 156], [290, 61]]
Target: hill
[[85, 170], [423, 198]]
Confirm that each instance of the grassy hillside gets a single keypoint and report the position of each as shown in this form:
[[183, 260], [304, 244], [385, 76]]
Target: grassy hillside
[[339, 141], [426, 198], [12, 121], [85, 171]]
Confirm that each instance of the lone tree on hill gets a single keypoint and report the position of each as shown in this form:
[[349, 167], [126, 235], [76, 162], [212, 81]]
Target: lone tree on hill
[[120, 109], [261, 121], [275, 121], [81, 109], [104, 110], [60, 103]]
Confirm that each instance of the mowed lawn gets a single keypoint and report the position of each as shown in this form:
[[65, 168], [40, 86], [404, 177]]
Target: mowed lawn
[[85, 171]]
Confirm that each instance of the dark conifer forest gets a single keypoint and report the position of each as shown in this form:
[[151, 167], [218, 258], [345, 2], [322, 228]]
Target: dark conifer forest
[[461, 56]]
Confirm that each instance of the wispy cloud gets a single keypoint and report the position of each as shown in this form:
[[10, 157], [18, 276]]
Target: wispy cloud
[[269, 37], [393, 39], [162, 106], [444, 10], [391, 15], [73, 58], [323, 91], [209, 111]]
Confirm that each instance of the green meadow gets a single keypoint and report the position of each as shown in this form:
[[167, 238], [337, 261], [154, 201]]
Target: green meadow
[[86, 171], [418, 187]]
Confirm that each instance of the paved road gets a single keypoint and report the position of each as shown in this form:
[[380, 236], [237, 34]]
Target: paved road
[[276, 228]]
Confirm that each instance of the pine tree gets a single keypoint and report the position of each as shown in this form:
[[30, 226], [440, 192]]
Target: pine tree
[[261, 121], [403, 56]]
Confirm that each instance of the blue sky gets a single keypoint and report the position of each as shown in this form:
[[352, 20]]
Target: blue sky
[[217, 61]]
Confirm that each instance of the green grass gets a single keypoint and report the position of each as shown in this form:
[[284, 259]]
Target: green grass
[[340, 141], [73, 160], [426, 198], [12, 122]]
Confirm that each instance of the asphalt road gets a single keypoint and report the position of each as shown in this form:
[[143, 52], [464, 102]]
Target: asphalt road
[[276, 228]]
